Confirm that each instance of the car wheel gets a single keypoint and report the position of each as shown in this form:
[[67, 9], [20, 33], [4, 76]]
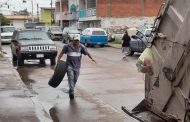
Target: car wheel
[[20, 62], [102, 45], [68, 40], [14, 60], [42, 61], [86, 44], [64, 40], [52, 60], [130, 52]]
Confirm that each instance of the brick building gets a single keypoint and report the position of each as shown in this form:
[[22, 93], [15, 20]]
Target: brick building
[[107, 13], [127, 8]]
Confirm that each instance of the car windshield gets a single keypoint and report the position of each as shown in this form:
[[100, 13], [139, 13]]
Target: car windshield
[[7, 29], [98, 33], [139, 34], [74, 31], [43, 28], [55, 29], [148, 31], [33, 35]]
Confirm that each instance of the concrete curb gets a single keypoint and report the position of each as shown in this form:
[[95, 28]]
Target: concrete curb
[[16, 102]]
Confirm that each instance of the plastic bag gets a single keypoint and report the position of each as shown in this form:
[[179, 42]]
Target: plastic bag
[[144, 63]]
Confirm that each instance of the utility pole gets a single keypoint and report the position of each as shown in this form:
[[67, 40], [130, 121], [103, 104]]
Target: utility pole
[[142, 7], [38, 12], [61, 12], [109, 8], [0, 28], [24, 1], [32, 12], [51, 14]]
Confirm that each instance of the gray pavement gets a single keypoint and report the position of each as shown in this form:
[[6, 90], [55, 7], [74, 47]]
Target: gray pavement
[[118, 46], [15, 102], [19, 104]]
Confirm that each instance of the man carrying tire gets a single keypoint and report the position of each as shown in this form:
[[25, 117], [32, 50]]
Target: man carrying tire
[[74, 51]]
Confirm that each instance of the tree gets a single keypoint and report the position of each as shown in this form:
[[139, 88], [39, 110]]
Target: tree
[[24, 12], [4, 20]]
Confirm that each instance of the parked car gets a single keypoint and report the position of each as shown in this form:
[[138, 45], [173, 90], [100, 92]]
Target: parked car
[[6, 33], [139, 41], [32, 44], [69, 33], [55, 33], [94, 36], [43, 28]]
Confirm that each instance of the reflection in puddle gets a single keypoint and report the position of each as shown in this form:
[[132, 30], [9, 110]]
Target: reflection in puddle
[[53, 114]]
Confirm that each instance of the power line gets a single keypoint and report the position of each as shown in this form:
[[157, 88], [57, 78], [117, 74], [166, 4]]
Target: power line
[[4, 2]]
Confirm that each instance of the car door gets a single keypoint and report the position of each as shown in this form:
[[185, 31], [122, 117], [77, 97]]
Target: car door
[[85, 36], [136, 42], [146, 36], [65, 33], [142, 41], [14, 43]]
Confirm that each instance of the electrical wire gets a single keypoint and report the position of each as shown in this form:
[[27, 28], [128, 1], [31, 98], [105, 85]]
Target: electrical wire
[[4, 2]]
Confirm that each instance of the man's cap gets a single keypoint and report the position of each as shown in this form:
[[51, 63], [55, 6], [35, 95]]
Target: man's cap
[[76, 38]]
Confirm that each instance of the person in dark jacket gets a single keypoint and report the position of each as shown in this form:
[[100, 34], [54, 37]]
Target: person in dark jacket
[[125, 45]]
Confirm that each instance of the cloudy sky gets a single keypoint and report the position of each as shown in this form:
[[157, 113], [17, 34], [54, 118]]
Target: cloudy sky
[[19, 5]]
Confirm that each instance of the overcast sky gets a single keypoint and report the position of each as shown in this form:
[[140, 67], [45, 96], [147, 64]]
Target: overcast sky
[[19, 5]]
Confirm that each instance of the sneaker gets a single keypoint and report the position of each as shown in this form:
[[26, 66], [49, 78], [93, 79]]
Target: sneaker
[[71, 96], [124, 58]]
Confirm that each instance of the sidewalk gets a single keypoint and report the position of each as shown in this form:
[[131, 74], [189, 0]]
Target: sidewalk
[[15, 102]]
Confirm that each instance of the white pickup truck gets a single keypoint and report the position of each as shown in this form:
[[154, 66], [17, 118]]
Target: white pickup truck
[[6, 33]]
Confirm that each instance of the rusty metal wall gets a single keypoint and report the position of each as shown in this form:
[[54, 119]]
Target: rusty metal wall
[[169, 87]]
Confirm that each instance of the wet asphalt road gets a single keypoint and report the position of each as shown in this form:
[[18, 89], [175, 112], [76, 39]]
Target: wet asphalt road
[[101, 90]]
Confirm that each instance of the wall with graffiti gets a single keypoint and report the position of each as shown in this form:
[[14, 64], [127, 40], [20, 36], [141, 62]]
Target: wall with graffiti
[[73, 5]]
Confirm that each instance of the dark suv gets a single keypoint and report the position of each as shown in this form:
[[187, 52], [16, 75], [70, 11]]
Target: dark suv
[[55, 33], [32, 44], [139, 41], [69, 33]]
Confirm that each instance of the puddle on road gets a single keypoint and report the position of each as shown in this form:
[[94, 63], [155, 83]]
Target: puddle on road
[[53, 114]]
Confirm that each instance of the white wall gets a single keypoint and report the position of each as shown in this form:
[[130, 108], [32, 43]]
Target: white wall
[[129, 22], [18, 24]]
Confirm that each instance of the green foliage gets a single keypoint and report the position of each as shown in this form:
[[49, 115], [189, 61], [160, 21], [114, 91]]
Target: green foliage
[[73, 8], [1, 54], [4, 20], [117, 41]]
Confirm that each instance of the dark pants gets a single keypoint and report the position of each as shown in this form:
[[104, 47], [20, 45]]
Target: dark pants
[[72, 74]]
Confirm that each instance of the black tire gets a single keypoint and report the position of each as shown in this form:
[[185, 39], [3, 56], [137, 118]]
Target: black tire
[[86, 44], [102, 45], [52, 61], [131, 52], [68, 40], [64, 41], [14, 60], [20, 61], [42, 61], [59, 73], [91, 45]]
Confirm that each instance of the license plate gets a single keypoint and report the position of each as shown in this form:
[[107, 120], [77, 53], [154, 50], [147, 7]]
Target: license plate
[[39, 55]]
